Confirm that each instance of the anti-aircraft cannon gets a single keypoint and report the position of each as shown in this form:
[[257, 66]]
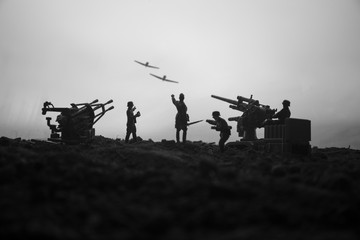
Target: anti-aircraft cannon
[[254, 114], [292, 136], [76, 122]]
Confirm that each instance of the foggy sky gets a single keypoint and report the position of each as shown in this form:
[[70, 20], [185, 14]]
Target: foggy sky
[[76, 51]]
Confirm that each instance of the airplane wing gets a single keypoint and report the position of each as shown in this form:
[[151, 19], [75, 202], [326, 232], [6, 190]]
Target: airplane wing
[[162, 78], [140, 63], [156, 76], [152, 67], [146, 64], [169, 80]]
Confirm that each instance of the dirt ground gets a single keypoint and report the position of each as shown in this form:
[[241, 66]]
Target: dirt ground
[[163, 190]]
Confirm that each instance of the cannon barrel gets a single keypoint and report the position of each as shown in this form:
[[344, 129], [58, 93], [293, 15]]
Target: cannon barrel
[[108, 102], [101, 114], [236, 105], [91, 103], [234, 102], [100, 105], [233, 118]]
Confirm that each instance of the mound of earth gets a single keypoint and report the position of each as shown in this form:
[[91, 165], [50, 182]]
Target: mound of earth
[[163, 190]]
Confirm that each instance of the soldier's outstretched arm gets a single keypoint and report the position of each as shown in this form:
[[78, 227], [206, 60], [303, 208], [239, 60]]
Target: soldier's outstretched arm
[[212, 122], [173, 99], [278, 114]]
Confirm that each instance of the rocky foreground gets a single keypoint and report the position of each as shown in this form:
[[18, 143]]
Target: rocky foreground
[[164, 190]]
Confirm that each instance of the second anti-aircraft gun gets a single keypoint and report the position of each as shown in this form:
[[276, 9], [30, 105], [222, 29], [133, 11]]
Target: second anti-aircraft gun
[[75, 123], [254, 114]]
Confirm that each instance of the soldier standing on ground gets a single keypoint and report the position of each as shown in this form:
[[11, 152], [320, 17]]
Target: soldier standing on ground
[[131, 120], [222, 126], [181, 118]]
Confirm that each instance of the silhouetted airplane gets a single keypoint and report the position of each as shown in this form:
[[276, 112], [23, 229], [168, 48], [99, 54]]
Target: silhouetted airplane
[[163, 78], [146, 64]]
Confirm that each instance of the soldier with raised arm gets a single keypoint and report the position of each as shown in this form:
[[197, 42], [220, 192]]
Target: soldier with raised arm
[[181, 118], [131, 120]]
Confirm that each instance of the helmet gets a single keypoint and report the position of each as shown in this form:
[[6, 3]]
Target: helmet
[[130, 104], [216, 114], [286, 102]]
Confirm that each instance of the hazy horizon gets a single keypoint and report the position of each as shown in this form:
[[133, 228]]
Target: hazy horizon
[[77, 51]]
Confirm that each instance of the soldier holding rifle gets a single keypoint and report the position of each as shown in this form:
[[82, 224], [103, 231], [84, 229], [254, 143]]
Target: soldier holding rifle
[[220, 125]]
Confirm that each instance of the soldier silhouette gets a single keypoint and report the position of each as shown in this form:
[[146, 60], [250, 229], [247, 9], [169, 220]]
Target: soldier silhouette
[[281, 115], [131, 120], [222, 126], [181, 118]]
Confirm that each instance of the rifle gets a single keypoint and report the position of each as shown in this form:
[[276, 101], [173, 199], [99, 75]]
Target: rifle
[[191, 123]]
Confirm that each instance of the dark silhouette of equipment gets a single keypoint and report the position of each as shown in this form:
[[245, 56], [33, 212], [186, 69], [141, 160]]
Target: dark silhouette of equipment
[[292, 136], [254, 114], [76, 122]]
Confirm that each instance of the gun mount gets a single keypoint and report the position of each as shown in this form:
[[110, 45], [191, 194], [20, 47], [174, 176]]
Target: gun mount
[[75, 123], [254, 114]]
